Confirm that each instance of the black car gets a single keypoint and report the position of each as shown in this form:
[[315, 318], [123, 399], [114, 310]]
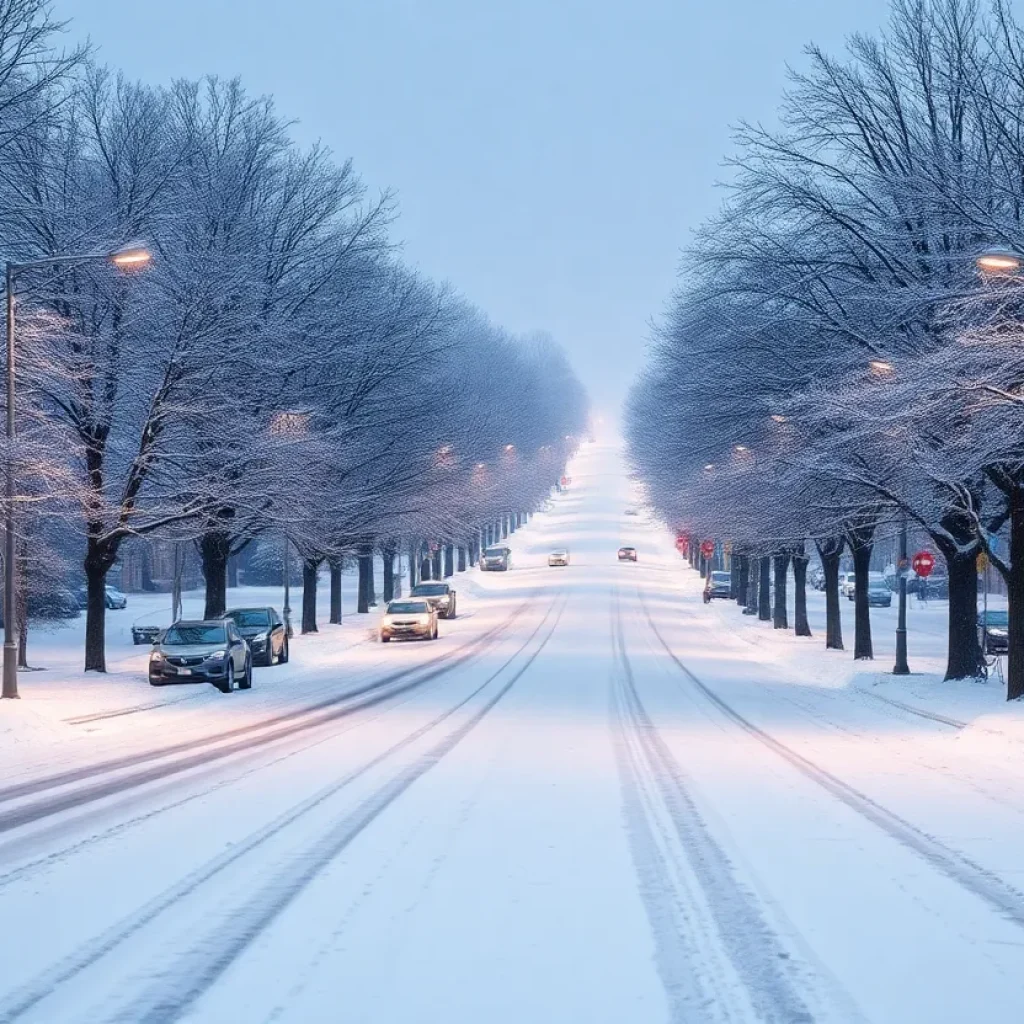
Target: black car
[[993, 635], [265, 633]]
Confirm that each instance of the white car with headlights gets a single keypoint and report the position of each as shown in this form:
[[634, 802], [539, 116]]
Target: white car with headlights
[[560, 556], [410, 619]]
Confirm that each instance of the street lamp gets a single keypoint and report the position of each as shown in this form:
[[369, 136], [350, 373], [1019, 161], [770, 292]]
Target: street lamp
[[128, 257], [777, 417], [880, 367], [999, 261]]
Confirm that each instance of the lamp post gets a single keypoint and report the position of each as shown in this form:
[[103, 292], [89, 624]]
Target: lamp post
[[901, 668], [127, 258]]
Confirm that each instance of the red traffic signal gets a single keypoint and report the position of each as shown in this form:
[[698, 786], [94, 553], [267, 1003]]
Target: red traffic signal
[[923, 563], [707, 548]]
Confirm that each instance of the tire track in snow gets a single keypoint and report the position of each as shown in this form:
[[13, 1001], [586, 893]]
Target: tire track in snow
[[983, 883], [207, 749], [191, 974], [738, 926]]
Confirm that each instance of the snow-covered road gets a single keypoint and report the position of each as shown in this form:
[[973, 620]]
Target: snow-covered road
[[594, 800]]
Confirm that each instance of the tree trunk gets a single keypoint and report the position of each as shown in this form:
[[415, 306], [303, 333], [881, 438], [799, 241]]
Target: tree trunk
[[801, 626], [750, 597], [389, 574], [861, 546], [335, 566], [964, 658], [426, 569], [462, 559], [764, 590], [449, 561], [435, 563], [99, 557], [1015, 598], [780, 617], [310, 567], [830, 552], [214, 548], [737, 583], [366, 591], [414, 561]]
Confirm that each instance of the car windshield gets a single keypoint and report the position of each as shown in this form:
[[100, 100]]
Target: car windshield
[[245, 617], [997, 619], [195, 633], [721, 577], [558, 553], [495, 553], [407, 607], [430, 590]]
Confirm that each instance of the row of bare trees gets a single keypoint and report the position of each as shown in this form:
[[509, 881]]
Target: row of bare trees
[[275, 368], [838, 358]]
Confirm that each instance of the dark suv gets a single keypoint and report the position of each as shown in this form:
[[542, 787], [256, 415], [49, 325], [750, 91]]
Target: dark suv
[[264, 631], [439, 596]]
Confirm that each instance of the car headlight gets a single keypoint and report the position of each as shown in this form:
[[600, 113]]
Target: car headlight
[[424, 620], [259, 638], [1000, 633], [156, 656], [217, 655]]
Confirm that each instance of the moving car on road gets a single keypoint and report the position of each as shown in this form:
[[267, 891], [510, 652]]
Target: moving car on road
[[264, 632], [496, 559], [412, 618], [719, 584], [993, 631], [439, 596], [207, 651], [113, 598], [627, 554], [558, 557]]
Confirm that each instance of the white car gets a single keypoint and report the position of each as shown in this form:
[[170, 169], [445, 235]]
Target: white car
[[558, 557], [847, 584]]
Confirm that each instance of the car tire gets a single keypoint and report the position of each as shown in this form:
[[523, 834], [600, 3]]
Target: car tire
[[385, 639], [454, 611], [229, 680], [154, 682], [246, 682], [282, 658]]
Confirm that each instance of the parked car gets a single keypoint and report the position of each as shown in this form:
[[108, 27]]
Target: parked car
[[146, 634], [816, 577], [719, 584], [627, 554], [993, 631], [439, 596], [847, 583], [632, 512], [558, 557], [412, 618], [879, 594], [113, 599], [264, 632], [207, 651], [496, 559]]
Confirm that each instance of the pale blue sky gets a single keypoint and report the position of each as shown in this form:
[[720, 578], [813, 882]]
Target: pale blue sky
[[551, 157]]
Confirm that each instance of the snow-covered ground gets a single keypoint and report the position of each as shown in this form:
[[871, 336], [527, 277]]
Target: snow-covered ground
[[595, 799]]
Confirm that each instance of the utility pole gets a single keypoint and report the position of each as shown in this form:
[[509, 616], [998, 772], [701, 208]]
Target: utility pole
[[901, 668]]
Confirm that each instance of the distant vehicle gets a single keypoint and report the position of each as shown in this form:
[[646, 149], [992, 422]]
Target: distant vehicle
[[627, 554], [993, 632], [816, 577], [410, 618], [720, 584], [207, 651], [439, 596], [876, 584], [264, 632], [847, 583], [558, 557], [632, 512], [148, 634], [496, 559], [113, 599]]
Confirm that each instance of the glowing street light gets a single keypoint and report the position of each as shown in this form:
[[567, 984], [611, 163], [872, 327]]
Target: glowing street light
[[880, 366], [710, 466], [130, 257], [740, 449], [779, 418], [999, 261]]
